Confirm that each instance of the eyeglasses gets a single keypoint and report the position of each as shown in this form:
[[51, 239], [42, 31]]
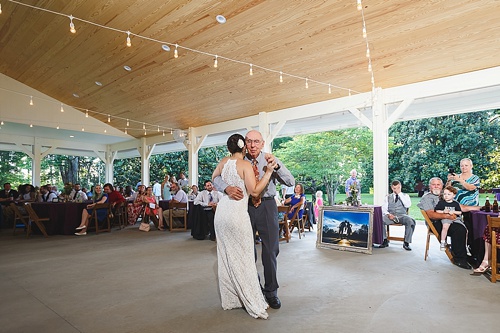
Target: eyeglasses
[[249, 141]]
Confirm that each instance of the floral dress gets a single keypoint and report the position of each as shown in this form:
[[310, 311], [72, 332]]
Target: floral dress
[[134, 209]]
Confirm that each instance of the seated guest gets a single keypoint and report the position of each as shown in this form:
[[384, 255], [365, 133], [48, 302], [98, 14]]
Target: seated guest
[[179, 197], [77, 194], [7, 195], [395, 210], [208, 199], [448, 205], [457, 232], [296, 201], [46, 195], [136, 206], [194, 193], [129, 193], [114, 197], [99, 197], [26, 193], [486, 263], [152, 209]]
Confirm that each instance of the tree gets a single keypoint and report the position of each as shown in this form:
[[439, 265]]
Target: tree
[[429, 147], [14, 167], [326, 158]]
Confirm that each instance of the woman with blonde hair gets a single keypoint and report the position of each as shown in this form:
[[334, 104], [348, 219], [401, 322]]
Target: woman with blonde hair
[[318, 203]]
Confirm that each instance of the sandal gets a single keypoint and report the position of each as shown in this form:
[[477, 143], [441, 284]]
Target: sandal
[[483, 267]]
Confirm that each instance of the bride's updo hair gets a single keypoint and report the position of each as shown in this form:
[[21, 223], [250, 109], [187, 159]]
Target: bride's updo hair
[[236, 143]]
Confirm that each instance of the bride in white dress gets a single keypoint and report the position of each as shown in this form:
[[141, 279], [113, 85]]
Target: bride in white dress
[[238, 279]]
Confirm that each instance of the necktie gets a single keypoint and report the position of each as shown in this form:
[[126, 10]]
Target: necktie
[[74, 197], [397, 198], [256, 200], [210, 198]]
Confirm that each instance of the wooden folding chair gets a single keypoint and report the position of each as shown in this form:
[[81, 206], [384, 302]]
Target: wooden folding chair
[[20, 220], [284, 230], [295, 221], [94, 218], [389, 237], [305, 218], [37, 220], [431, 230], [178, 206], [120, 215], [493, 227]]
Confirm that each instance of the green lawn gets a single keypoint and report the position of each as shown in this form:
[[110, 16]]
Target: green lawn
[[414, 210]]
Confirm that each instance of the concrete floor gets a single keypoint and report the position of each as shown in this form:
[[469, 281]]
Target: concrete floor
[[131, 281]]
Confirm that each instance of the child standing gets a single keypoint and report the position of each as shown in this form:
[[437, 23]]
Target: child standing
[[448, 205]]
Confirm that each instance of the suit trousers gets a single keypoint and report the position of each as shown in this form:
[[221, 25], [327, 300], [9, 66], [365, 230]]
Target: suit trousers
[[405, 220], [265, 220]]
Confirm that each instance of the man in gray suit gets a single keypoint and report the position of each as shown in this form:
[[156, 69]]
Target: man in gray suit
[[394, 210], [264, 212]]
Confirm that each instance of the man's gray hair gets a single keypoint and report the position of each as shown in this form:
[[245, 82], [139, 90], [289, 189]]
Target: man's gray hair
[[435, 178]]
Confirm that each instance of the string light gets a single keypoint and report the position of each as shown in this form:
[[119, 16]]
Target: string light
[[128, 123], [143, 126], [126, 131], [163, 132], [86, 113], [83, 129], [369, 66], [129, 42], [281, 77], [109, 118], [105, 131], [62, 107], [176, 54], [1, 13], [171, 131], [251, 69], [145, 133], [1, 123], [71, 25], [364, 31], [31, 100], [329, 88], [367, 52], [158, 129], [57, 127], [215, 61], [307, 83], [31, 125], [359, 5]]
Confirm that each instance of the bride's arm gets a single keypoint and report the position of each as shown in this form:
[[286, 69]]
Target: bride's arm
[[218, 169]]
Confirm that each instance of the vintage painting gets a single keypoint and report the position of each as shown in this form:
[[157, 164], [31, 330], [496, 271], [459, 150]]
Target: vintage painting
[[346, 228]]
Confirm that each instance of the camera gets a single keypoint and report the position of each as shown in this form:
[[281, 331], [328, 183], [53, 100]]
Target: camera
[[451, 171]]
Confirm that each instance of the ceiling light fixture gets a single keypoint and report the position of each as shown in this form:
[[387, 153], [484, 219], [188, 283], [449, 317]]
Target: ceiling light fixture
[[307, 83], [215, 61], [31, 100], [109, 118], [126, 131], [57, 127], [176, 55], [145, 133], [86, 113], [127, 68], [221, 19], [129, 42], [1, 122], [128, 123], [31, 125], [329, 88], [83, 129], [163, 132], [143, 126], [158, 129], [76, 95], [165, 47], [251, 70], [281, 77], [98, 83], [62, 107], [71, 136], [71, 25]]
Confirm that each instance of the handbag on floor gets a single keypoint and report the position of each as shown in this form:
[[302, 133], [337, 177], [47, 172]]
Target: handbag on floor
[[144, 227]]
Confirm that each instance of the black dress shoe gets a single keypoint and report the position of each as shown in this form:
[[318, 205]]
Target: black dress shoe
[[385, 243], [406, 246], [462, 264], [274, 302]]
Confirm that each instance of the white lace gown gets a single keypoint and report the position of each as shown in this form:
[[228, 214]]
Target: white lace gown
[[238, 280]]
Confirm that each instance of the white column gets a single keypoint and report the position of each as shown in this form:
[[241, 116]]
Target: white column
[[109, 159], [36, 163], [380, 148], [145, 153], [265, 131]]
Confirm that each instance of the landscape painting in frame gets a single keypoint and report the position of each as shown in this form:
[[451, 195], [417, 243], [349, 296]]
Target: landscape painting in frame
[[346, 228]]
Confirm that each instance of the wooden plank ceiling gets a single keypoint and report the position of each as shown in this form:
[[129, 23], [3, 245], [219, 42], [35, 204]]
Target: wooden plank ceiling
[[410, 41]]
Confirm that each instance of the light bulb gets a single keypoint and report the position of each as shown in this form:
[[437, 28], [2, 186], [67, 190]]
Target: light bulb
[[109, 118], [359, 5], [128, 123], [171, 131], [31, 125], [129, 42], [158, 129], [251, 69], [83, 129], [31, 100], [364, 31], [57, 127], [71, 25], [105, 131], [1, 13], [1, 123], [176, 55], [163, 132], [126, 131], [307, 83], [215, 62], [281, 77], [373, 79], [145, 132], [369, 66], [86, 113], [143, 126], [329, 88], [62, 108]]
